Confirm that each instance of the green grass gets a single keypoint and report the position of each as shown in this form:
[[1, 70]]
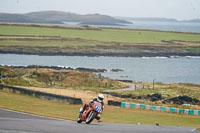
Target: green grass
[[193, 49], [107, 35], [56, 109], [34, 105], [168, 90], [104, 41], [66, 79], [48, 43]]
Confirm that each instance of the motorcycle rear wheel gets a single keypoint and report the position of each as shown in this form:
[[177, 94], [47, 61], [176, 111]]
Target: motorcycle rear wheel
[[90, 117]]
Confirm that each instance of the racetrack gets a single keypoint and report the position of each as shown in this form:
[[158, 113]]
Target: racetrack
[[17, 122]]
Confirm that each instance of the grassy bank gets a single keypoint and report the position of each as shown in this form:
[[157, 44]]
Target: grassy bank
[[52, 78], [55, 109], [100, 41]]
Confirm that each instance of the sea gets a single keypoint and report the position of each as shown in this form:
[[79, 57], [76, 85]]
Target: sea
[[145, 69], [178, 26]]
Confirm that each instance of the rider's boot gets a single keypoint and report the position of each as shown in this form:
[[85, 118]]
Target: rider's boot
[[99, 118]]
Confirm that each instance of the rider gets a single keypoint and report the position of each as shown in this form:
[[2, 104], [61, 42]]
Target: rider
[[99, 98]]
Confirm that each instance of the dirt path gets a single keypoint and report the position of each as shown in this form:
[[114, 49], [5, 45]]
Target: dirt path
[[131, 87], [85, 95]]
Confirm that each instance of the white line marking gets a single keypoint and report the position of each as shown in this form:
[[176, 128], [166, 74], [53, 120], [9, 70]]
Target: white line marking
[[193, 130]]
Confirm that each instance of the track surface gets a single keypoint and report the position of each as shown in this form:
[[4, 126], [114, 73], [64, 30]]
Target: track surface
[[16, 122]]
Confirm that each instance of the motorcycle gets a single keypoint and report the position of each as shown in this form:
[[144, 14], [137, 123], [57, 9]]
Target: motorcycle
[[90, 113]]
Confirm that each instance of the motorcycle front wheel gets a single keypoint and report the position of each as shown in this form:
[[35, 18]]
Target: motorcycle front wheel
[[79, 118], [90, 117]]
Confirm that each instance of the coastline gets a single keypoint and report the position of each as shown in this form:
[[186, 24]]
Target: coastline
[[96, 54]]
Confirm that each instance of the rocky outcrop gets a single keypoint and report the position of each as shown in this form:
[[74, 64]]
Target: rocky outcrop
[[116, 70]]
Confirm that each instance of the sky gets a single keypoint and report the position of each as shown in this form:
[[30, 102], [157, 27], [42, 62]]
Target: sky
[[177, 9]]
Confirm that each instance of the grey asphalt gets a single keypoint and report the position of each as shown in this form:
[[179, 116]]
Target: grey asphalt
[[131, 87], [17, 122]]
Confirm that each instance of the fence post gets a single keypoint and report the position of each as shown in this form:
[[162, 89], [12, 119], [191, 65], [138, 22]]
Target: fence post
[[153, 83], [1, 77]]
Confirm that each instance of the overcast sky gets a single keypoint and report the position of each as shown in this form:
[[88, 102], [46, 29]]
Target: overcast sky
[[178, 9]]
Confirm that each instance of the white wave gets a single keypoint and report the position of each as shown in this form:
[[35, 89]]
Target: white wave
[[161, 57], [62, 66], [175, 56], [193, 57], [156, 57]]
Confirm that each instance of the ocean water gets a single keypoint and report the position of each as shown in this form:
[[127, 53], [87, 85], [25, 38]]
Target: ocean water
[[160, 69], [163, 26], [166, 26]]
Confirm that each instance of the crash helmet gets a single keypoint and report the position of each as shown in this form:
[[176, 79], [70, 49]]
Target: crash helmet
[[100, 98]]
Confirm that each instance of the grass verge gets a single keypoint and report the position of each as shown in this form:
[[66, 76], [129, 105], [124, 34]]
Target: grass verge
[[111, 114]]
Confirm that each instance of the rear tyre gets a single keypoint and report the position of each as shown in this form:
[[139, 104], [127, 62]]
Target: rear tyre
[[90, 117]]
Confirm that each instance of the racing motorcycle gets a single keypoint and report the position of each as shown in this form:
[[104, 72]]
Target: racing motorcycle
[[90, 113]]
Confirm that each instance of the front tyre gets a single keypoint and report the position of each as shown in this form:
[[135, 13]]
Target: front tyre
[[90, 117], [79, 118]]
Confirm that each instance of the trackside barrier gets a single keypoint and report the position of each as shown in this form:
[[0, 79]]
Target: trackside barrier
[[123, 104], [132, 105], [195, 112], [191, 112], [148, 107], [114, 103], [186, 111], [181, 111], [44, 95], [157, 108], [172, 110], [153, 107], [162, 108], [142, 106]]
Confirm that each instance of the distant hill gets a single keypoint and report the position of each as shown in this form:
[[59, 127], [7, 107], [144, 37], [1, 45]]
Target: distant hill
[[193, 20], [148, 19], [58, 17]]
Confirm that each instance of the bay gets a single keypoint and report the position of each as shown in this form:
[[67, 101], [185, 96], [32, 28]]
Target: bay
[[146, 69], [178, 26]]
